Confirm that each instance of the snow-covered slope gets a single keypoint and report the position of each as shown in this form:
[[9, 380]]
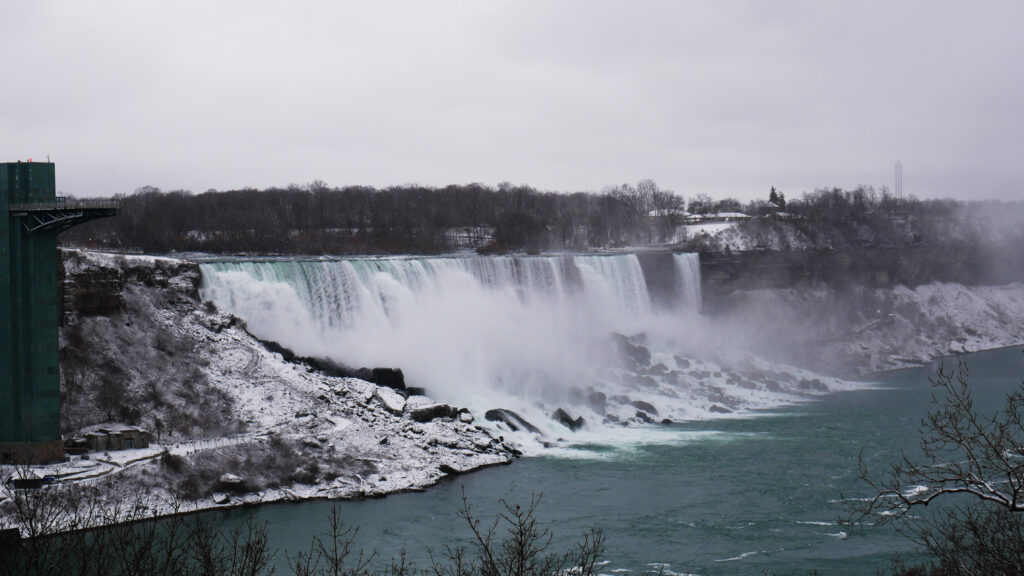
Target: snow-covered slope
[[138, 347]]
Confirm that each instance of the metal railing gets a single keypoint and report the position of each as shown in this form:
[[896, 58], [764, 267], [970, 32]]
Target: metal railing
[[62, 203]]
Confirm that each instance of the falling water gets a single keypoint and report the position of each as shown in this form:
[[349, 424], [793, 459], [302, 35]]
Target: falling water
[[522, 332]]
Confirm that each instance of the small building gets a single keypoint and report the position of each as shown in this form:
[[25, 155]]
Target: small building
[[109, 437]]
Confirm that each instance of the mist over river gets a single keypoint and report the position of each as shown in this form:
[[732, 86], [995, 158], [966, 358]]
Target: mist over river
[[736, 496]]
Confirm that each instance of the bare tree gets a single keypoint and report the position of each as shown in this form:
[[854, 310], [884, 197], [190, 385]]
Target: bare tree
[[972, 468]]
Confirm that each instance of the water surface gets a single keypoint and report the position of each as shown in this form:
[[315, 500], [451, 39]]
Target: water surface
[[714, 497]]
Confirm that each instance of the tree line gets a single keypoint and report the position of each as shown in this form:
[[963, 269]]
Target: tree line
[[316, 218]]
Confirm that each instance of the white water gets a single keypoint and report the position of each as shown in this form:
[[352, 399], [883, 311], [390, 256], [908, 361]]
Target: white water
[[525, 333]]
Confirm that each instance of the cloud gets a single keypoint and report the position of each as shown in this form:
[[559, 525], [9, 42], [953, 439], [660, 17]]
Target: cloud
[[725, 98]]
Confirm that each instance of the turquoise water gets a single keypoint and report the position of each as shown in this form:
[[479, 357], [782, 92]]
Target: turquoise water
[[717, 497]]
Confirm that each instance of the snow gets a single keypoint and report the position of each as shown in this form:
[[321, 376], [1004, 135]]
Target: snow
[[281, 399]]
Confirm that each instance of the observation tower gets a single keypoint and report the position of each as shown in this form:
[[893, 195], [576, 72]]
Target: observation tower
[[31, 216]]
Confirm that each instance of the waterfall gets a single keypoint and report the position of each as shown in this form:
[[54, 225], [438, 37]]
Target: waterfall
[[528, 333], [687, 267]]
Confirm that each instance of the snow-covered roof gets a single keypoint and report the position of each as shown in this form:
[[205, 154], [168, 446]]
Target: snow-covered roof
[[668, 212], [108, 428]]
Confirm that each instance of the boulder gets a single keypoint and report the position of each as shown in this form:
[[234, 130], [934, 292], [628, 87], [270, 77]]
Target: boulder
[[644, 417], [514, 421], [389, 377], [645, 406], [465, 417], [392, 401], [221, 498], [719, 409], [427, 412], [563, 418]]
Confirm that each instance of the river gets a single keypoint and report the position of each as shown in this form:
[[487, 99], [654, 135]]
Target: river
[[739, 496]]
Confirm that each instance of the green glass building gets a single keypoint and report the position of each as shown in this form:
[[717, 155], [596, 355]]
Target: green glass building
[[29, 370]]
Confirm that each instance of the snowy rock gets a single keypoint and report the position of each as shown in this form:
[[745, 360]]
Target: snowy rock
[[230, 479], [392, 401], [465, 418], [431, 411], [424, 409], [221, 498]]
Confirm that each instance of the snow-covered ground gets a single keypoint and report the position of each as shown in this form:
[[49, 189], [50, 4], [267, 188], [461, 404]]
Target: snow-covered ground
[[350, 437]]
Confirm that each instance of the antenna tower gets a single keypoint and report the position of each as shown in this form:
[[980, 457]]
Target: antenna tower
[[898, 189]]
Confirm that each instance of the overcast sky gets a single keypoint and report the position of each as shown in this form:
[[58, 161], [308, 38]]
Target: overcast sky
[[723, 97]]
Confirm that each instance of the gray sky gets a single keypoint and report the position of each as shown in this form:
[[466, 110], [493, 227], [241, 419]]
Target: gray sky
[[723, 97]]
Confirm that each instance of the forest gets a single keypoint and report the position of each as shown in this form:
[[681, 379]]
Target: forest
[[412, 219]]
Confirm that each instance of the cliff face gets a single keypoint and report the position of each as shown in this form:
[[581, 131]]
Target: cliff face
[[880, 267], [94, 284], [862, 310]]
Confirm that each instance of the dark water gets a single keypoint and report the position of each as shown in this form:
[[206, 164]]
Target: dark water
[[721, 497]]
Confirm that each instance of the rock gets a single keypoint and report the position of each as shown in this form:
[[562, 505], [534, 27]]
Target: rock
[[814, 384], [415, 391], [383, 441], [230, 479], [389, 377], [563, 418], [644, 417], [392, 401], [611, 419], [666, 421], [511, 419], [426, 413], [681, 363], [465, 417], [451, 469], [719, 409], [645, 406], [221, 498]]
